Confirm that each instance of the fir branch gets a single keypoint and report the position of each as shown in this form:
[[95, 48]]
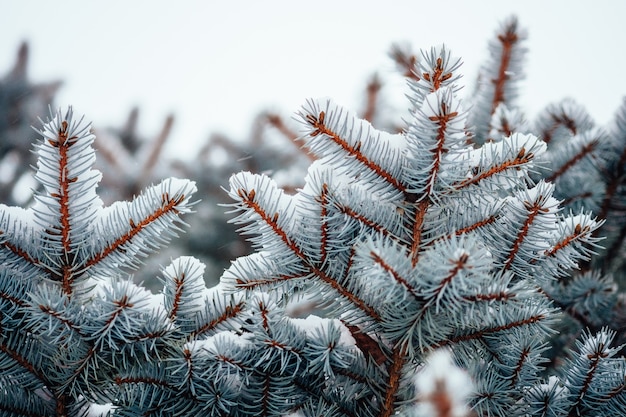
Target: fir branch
[[60, 316], [276, 121], [66, 326], [396, 244], [508, 37], [19, 252], [497, 82], [437, 70], [255, 284], [523, 357], [25, 364], [161, 383], [323, 201], [585, 151], [327, 128], [317, 123], [561, 120], [271, 221], [397, 276], [64, 143], [373, 89], [157, 148], [13, 300], [418, 223], [580, 234], [405, 60], [368, 345], [370, 223], [441, 120], [615, 171], [589, 365], [534, 209], [475, 226], [523, 158], [148, 216], [490, 296], [535, 318], [394, 372], [167, 206]]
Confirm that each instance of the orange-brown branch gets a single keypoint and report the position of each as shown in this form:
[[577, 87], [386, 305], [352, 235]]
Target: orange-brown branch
[[272, 222], [373, 88], [418, 223], [178, 293], [475, 226], [595, 359], [439, 76], [442, 120], [508, 41], [143, 380], [277, 122], [521, 159], [68, 323], [523, 232], [366, 344], [406, 62], [264, 315], [21, 253], [520, 365], [562, 119], [255, 283], [482, 333], [317, 122], [366, 221], [12, 299], [63, 144], [168, 206], [229, 312], [395, 373], [496, 296], [397, 277], [24, 363], [459, 265], [121, 304], [578, 232], [323, 200], [584, 151]]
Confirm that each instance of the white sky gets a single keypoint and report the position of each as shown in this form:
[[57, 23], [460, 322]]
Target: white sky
[[216, 64]]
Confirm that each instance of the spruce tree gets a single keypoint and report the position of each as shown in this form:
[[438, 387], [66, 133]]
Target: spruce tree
[[452, 268]]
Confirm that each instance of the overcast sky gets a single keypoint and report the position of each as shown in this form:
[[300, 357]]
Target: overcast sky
[[216, 64]]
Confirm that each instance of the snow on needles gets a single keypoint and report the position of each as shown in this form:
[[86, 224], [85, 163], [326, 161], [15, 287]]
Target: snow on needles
[[442, 388]]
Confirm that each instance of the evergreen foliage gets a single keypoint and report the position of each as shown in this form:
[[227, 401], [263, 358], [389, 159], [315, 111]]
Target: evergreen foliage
[[453, 268], [133, 161], [130, 160], [21, 103], [66, 307]]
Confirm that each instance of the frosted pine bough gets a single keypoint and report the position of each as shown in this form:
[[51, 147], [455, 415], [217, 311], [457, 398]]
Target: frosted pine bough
[[69, 316], [421, 241], [406, 244]]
